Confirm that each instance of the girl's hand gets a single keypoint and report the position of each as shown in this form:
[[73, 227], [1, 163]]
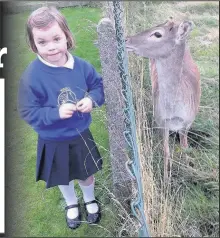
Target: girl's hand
[[84, 105], [66, 110]]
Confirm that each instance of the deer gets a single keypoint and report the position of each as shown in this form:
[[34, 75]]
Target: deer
[[175, 79]]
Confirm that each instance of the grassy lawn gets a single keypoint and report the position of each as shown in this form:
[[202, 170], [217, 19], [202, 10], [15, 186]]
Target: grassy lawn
[[31, 209]]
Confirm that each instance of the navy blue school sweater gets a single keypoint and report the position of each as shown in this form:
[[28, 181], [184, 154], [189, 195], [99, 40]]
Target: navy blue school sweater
[[43, 89]]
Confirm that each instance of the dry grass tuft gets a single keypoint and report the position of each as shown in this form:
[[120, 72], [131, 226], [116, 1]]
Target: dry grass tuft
[[213, 34]]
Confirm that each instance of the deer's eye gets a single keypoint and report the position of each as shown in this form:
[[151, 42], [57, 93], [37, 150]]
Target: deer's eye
[[157, 34]]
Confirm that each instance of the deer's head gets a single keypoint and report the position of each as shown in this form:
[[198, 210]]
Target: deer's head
[[159, 41]]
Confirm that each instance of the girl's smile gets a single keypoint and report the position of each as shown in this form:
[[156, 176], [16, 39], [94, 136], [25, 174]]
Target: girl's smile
[[55, 57], [51, 44]]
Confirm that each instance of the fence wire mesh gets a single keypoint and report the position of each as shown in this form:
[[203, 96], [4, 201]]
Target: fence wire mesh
[[137, 205]]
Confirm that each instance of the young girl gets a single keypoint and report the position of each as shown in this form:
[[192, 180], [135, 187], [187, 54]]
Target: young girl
[[56, 94]]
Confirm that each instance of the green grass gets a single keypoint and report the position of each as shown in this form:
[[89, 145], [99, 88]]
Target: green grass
[[206, 20], [31, 209], [210, 7]]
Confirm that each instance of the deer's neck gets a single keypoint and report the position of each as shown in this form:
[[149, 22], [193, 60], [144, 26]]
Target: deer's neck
[[169, 69]]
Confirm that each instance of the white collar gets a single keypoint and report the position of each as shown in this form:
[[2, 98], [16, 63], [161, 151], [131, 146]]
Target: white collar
[[69, 64]]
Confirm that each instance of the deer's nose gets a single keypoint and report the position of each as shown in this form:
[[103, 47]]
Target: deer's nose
[[127, 39]]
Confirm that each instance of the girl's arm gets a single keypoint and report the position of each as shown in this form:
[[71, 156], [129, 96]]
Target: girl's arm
[[95, 88], [30, 109]]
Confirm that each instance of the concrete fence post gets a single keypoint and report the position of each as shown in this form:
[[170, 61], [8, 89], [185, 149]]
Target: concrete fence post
[[107, 45]]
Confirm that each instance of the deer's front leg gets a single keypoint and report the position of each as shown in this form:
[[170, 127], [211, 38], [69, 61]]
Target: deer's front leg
[[184, 144], [183, 138], [167, 160]]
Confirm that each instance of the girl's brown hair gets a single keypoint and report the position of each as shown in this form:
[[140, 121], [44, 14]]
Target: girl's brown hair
[[42, 17]]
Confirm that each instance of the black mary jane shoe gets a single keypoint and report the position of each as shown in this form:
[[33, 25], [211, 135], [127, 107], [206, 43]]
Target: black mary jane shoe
[[73, 223], [93, 218]]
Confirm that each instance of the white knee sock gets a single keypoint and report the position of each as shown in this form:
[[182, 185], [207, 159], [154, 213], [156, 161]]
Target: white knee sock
[[69, 195], [88, 195]]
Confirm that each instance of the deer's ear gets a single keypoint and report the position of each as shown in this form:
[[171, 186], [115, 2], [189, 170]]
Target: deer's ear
[[183, 30]]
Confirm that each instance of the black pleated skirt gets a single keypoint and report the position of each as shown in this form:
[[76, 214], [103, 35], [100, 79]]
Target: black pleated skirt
[[59, 162]]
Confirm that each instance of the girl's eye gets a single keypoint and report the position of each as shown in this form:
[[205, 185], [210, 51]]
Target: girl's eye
[[57, 39], [157, 34], [41, 42]]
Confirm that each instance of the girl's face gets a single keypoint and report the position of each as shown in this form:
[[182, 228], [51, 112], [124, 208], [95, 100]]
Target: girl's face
[[51, 44]]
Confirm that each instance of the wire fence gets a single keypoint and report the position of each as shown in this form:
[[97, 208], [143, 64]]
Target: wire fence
[[133, 165]]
